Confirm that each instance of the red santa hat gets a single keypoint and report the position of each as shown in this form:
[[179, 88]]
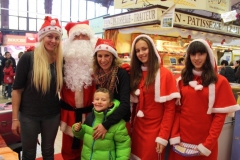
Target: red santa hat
[[77, 28], [50, 25], [106, 45]]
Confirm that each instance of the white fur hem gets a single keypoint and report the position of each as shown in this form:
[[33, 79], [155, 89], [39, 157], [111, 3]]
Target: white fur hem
[[162, 141], [168, 97], [134, 157], [228, 109], [203, 150], [175, 140], [66, 129]]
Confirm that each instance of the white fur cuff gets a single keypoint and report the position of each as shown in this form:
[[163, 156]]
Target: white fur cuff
[[175, 140], [162, 141], [203, 150]]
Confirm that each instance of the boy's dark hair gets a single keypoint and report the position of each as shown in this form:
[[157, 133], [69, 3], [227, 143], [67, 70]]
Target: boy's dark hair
[[238, 61], [224, 62], [104, 90], [6, 53]]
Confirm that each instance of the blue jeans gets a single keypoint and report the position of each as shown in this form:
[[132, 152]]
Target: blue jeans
[[30, 128], [9, 90]]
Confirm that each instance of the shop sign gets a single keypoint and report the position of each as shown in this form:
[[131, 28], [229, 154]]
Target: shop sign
[[217, 6], [97, 24], [181, 19], [131, 18], [15, 40]]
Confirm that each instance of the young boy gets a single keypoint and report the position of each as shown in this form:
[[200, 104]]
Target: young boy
[[116, 144]]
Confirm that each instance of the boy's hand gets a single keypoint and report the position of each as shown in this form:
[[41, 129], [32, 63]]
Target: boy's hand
[[77, 126]]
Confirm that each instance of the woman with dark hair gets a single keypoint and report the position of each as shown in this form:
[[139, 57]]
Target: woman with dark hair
[[109, 74], [154, 91], [206, 99], [8, 77]]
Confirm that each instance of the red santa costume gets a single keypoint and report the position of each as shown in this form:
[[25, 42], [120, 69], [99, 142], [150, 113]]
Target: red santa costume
[[201, 113], [77, 91], [155, 111]]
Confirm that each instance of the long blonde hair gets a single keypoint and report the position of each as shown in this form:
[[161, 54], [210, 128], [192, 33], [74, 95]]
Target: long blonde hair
[[41, 68]]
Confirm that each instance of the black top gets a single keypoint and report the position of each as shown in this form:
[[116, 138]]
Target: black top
[[121, 93], [228, 72], [34, 103]]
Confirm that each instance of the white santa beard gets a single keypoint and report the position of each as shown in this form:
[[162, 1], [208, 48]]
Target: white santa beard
[[78, 64]]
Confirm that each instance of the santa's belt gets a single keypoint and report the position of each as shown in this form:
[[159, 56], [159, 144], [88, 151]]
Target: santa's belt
[[78, 118]]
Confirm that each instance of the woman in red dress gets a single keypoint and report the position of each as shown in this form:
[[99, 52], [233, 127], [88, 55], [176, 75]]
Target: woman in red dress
[[206, 99], [155, 92]]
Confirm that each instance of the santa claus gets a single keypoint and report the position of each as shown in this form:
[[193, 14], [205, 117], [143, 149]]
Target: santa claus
[[77, 91]]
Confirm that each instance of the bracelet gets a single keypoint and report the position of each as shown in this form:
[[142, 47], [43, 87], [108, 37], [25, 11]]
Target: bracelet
[[15, 120]]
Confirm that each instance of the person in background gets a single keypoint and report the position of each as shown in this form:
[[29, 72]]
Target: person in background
[[35, 100], [227, 71], [1, 68], [153, 88], [108, 73], [206, 99], [20, 55], [9, 56], [181, 61], [8, 77], [236, 65], [117, 143], [77, 92]]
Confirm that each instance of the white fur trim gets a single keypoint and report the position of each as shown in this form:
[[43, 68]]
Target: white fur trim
[[49, 29], [106, 47], [193, 84], [228, 109], [66, 129], [153, 44], [210, 52], [140, 114], [162, 141], [133, 98], [203, 150], [81, 29], [175, 140], [198, 87], [134, 157], [137, 92], [211, 92]]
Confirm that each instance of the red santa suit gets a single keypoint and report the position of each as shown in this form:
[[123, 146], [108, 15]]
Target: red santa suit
[[201, 113], [78, 89], [155, 112]]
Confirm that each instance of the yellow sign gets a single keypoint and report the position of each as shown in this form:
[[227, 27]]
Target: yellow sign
[[150, 16], [217, 6]]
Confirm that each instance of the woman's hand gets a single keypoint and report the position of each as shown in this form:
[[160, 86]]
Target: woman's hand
[[159, 148], [16, 128], [99, 131]]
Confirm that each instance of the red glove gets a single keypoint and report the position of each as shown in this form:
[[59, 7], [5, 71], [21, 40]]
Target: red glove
[[126, 66]]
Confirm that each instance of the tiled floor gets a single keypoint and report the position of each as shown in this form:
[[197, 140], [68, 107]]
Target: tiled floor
[[58, 141]]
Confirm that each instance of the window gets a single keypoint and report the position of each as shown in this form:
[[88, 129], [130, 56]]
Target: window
[[90, 10], [74, 10], [40, 9], [39, 23], [13, 7], [22, 23], [32, 25], [22, 8], [65, 16], [100, 10], [56, 8], [32, 8], [13, 22], [82, 10]]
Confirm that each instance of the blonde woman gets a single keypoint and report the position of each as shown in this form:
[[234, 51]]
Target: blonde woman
[[35, 98]]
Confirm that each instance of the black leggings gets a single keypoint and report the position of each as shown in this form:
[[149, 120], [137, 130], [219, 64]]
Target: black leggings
[[30, 128]]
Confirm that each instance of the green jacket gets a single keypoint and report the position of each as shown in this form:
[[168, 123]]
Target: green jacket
[[115, 145]]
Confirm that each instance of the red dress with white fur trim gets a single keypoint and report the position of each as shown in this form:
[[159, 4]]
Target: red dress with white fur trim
[[200, 117], [157, 120]]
